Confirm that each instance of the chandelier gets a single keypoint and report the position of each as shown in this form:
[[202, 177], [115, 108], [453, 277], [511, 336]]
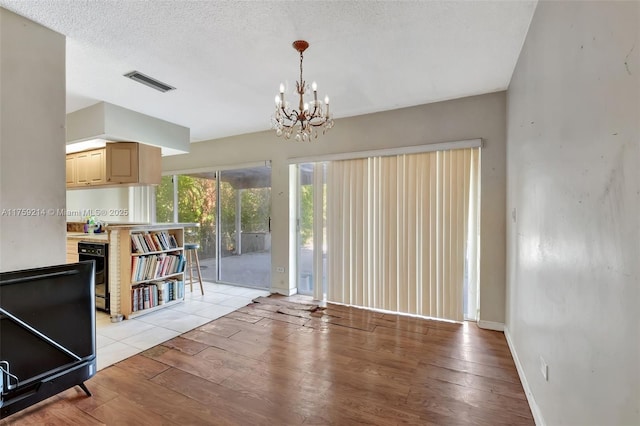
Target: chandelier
[[304, 121]]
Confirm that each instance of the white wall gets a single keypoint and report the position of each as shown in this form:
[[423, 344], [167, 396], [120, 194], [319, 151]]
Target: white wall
[[468, 118], [573, 251], [106, 204], [32, 144], [111, 122]]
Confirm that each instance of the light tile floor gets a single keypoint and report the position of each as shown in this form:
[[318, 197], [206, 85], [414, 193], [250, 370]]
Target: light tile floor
[[120, 340]]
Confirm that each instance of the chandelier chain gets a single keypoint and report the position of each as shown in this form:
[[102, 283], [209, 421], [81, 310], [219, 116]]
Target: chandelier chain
[[301, 82]]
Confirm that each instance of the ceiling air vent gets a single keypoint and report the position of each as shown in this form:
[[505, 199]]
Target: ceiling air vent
[[148, 81]]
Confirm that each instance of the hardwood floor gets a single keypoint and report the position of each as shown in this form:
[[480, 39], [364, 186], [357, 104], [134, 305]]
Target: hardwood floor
[[337, 365]]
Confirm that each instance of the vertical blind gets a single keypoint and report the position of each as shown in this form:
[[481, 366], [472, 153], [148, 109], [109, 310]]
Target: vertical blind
[[399, 230]]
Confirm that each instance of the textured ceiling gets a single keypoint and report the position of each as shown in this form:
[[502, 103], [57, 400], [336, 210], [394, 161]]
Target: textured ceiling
[[227, 58]]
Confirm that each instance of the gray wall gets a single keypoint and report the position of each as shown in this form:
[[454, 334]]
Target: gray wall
[[468, 118], [32, 144], [573, 249]]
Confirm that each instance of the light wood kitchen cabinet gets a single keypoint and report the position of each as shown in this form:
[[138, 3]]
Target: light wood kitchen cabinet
[[86, 168], [130, 162], [90, 167], [119, 163], [71, 169], [72, 250]]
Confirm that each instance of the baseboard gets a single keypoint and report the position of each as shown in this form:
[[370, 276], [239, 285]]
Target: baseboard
[[491, 325], [284, 291], [535, 410]]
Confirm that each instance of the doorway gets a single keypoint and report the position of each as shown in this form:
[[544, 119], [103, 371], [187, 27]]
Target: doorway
[[245, 227], [396, 231], [232, 211], [311, 228]]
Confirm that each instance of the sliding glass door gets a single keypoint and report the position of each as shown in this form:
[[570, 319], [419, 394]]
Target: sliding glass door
[[393, 232], [245, 222], [192, 198], [311, 229], [232, 210]]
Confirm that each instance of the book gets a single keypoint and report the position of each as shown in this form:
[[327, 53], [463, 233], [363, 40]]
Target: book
[[145, 292], [136, 247], [134, 268], [134, 299], [161, 292]]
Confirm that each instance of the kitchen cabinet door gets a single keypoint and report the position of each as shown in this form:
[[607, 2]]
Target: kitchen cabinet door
[[71, 170], [122, 162], [90, 167]]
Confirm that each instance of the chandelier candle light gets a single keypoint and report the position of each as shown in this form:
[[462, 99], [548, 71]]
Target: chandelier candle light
[[304, 121]]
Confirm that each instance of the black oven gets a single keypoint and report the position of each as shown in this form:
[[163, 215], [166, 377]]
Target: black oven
[[99, 252]]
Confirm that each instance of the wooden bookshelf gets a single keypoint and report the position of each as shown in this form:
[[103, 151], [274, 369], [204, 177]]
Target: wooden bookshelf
[[158, 256]]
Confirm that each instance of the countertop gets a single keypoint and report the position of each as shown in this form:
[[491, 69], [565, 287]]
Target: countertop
[[151, 226], [89, 237], [104, 236]]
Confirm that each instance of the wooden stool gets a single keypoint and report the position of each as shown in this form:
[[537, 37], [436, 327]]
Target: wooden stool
[[191, 252]]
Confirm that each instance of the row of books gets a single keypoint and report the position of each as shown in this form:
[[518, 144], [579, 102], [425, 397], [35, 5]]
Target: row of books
[[156, 266], [146, 242], [145, 296]]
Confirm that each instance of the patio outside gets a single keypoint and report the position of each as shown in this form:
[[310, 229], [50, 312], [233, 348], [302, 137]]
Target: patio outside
[[253, 270], [241, 202]]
